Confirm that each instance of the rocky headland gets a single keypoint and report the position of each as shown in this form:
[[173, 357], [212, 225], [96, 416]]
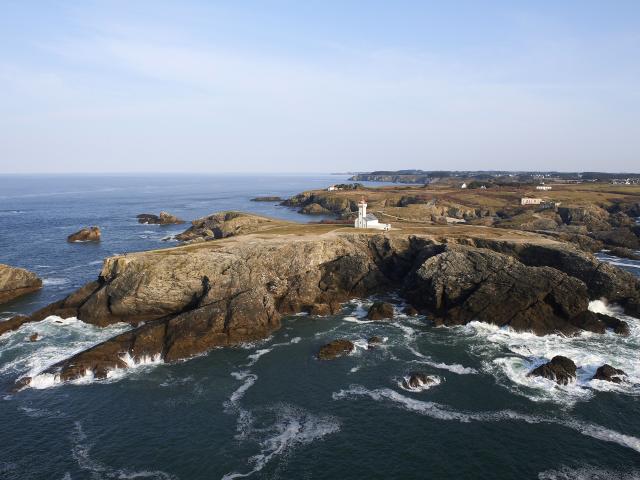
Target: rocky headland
[[187, 300], [15, 282]]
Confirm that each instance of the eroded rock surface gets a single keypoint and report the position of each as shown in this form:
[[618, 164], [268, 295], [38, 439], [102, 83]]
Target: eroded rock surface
[[335, 349], [222, 225], [380, 311], [90, 234], [163, 219], [609, 374], [15, 282], [196, 297]]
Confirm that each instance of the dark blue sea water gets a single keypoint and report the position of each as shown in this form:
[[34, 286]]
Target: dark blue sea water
[[271, 410]]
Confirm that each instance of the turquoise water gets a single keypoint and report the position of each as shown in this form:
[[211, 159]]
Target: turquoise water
[[270, 409]]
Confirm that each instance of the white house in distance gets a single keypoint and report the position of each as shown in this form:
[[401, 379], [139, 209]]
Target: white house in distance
[[332, 188], [464, 185], [368, 220], [530, 201], [542, 186]]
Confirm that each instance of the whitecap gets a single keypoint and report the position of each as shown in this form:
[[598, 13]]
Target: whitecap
[[55, 281], [587, 473]]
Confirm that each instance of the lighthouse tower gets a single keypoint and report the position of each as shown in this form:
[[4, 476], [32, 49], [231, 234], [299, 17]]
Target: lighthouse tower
[[361, 221]]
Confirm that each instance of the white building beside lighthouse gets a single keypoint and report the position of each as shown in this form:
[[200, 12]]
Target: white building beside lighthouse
[[368, 220]]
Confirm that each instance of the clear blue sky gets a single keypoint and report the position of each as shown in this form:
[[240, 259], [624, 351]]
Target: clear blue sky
[[281, 86]]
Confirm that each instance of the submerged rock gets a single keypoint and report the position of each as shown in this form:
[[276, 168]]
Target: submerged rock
[[33, 337], [91, 234], [560, 369], [163, 219], [380, 311], [335, 349], [374, 341], [410, 311], [417, 380], [610, 374], [15, 282]]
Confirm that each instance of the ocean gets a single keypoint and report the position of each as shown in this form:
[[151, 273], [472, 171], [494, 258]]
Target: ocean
[[270, 410]]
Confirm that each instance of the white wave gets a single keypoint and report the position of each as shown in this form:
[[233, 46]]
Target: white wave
[[356, 320], [58, 339], [454, 368], [602, 306], [442, 412], [249, 379], [293, 427], [587, 473], [256, 356], [81, 449], [509, 356], [55, 281]]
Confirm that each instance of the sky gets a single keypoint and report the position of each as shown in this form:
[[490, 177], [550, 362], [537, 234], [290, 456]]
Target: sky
[[319, 85]]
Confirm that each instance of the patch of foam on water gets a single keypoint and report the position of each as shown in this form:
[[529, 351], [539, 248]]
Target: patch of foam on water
[[454, 368], [55, 281], [587, 473], [249, 379], [509, 356], [81, 450], [293, 427], [58, 339], [442, 412]]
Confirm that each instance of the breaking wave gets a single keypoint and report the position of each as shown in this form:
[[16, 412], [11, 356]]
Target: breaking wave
[[442, 412]]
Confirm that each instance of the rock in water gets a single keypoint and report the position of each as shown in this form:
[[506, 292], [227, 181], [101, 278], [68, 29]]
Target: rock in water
[[15, 282], [624, 253], [222, 225], [267, 199], [417, 380], [163, 219], [335, 349], [410, 311], [610, 374], [373, 342], [380, 311], [91, 234], [33, 337], [561, 369]]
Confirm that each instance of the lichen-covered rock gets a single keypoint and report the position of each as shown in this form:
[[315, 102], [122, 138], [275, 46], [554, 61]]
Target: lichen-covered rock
[[15, 282], [90, 234], [560, 369], [380, 311], [335, 349]]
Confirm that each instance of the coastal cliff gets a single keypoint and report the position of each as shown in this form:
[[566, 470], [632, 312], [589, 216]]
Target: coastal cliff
[[187, 300]]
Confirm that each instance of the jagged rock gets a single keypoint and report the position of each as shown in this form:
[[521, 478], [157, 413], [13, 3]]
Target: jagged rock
[[33, 337], [591, 216], [314, 209], [464, 284], [417, 380], [197, 297], [380, 311], [320, 310], [15, 282], [91, 234], [560, 369], [267, 199], [163, 219], [373, 342], [624, 253], [411, 311], [335, 349], [607, 373], [222, 225]]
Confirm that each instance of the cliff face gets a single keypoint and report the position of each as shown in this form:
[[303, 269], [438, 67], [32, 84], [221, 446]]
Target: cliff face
[[15, 282], [187, 300]]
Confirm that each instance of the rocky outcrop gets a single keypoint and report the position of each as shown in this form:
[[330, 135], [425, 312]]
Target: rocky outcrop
[[417, 380], [373, 342], [560, 369], [609, 374], [322, 203], [90, 234], [624, 253], [187, 300], [267, 199], [163, 219], [380, 311], [222, 225], [335, 349], [15, 282]]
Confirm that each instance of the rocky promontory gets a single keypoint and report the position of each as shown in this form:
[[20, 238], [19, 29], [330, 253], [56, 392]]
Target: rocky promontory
[[187, 300], [15, 282]]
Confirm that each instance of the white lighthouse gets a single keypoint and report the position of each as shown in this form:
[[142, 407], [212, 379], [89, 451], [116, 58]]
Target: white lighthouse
[[368, 220]]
